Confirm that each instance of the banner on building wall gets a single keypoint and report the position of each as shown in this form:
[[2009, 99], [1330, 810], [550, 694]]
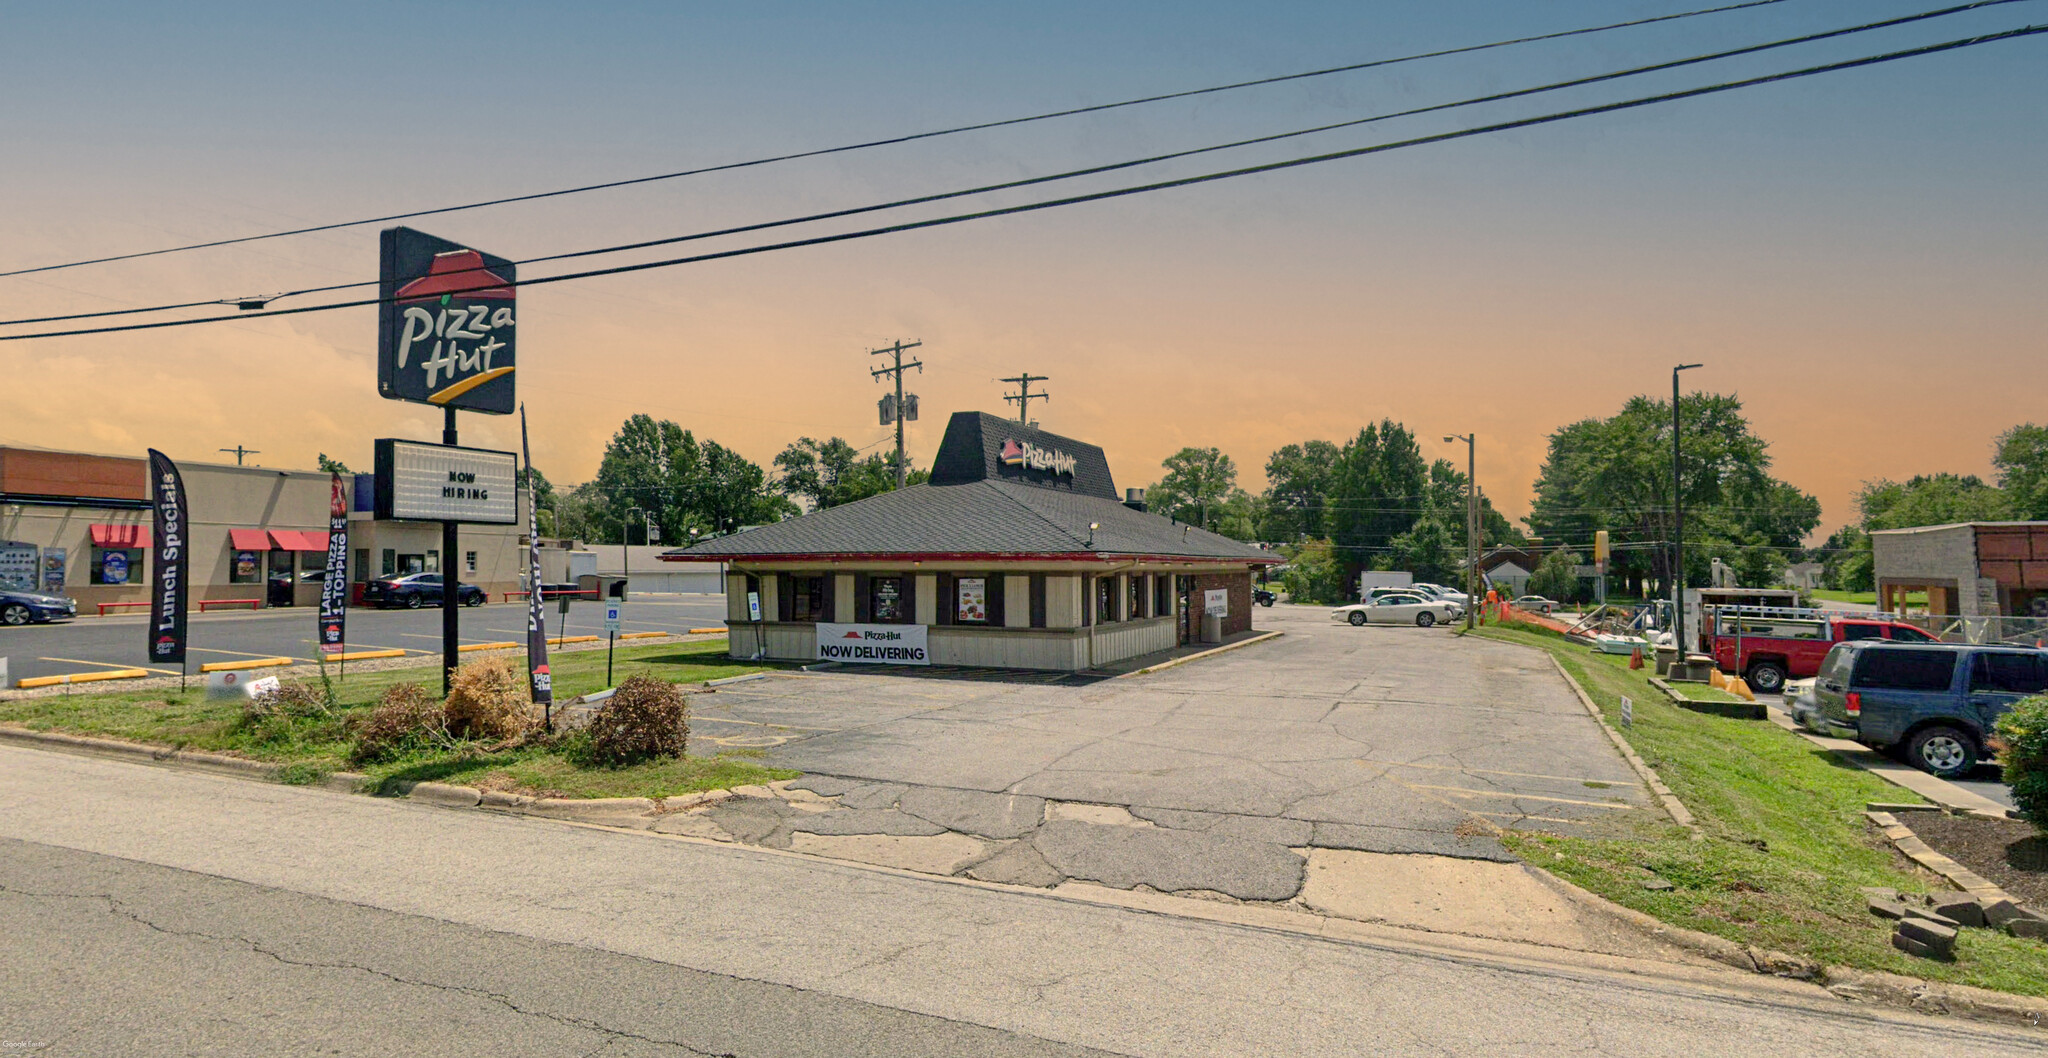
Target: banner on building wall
[[169, 576], [541, 681], [334, 589], [873, 644]]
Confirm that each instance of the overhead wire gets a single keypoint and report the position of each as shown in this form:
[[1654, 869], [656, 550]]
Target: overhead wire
[[1097, 169], [1137, 189], [894, 140]]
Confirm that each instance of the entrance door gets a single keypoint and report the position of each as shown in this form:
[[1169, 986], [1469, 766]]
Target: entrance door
[[280, 588], [1184, 587]]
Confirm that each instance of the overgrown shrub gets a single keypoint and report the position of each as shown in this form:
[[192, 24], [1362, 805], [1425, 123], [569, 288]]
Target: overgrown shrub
[[2022, 737], [408, 716], [296, 700], [645, 718], [488, 700]]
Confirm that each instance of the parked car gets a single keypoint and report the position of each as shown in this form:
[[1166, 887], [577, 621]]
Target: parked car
[[20, 606], [1439, 592], [1264, 597], [1930, 703], [415, 590], [1536, 604], [1771, 650], [1398, 608]]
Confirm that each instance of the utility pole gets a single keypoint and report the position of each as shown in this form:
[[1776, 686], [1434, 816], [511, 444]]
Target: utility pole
[[1471, 524], [1677, 529], [239, 452], [896, 350], [1023, 397]]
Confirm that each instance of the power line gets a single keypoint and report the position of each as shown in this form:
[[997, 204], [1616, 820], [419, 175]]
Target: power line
[[1137, 189], [257, 303], [894, 140]]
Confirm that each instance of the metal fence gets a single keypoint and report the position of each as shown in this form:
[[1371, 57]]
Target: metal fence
[[1949, 628]]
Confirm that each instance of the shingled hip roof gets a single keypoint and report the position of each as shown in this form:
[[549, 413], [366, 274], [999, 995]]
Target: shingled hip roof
[[973, 519]]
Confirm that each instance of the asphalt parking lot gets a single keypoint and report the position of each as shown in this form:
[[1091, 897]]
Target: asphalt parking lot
[[89, 644], [1391, 740]]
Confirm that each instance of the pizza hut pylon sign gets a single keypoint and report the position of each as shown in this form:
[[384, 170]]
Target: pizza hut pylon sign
[[446, 330]]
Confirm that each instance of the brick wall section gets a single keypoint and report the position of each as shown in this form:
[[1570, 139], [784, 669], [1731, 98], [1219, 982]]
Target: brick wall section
[[1240, 587]]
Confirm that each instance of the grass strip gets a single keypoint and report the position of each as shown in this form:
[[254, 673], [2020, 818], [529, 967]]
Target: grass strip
[[1784, 847], [315, 746]]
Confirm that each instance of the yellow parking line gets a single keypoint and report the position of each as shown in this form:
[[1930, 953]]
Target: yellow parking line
[[79, 677], [260, 662], [360, 655], [111, 665]]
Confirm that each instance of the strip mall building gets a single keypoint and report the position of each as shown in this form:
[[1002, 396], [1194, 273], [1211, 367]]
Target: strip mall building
[[1017, 554]]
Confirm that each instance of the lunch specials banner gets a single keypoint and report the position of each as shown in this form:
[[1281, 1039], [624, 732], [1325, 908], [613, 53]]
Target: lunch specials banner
[[169, 575], [873, 644], [334, 590], [542, 682]]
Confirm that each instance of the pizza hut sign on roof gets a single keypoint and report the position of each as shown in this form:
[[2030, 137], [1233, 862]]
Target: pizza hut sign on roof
[[445, 329], [1036, 457]]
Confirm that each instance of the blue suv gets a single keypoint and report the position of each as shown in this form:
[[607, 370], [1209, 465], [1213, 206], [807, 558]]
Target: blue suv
[[1930, 703]]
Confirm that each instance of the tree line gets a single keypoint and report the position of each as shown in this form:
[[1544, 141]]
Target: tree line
[[2020, 457]]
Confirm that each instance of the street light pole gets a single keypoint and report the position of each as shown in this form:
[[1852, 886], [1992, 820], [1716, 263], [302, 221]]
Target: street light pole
[[1677, 528], [626, 551], [1471, 524]]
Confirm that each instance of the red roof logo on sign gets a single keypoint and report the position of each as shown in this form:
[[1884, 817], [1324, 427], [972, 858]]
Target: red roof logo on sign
[[459, 272], [851, 635], [1013, 453]]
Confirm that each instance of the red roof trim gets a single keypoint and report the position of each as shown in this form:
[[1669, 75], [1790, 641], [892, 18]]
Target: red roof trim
[[974, 556]]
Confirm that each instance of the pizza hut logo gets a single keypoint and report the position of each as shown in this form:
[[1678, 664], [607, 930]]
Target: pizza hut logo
[[1029, 456]]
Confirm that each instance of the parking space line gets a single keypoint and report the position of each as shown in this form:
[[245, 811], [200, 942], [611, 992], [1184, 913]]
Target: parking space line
[[437, 639], [111, 665]]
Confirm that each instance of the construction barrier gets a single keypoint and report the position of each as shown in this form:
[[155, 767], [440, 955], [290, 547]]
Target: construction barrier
[[361, 655], [80, 677], [508, 645], [252, 663]]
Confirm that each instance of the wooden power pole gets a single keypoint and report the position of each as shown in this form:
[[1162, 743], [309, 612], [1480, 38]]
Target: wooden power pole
[[1023, 397], [897, 368]]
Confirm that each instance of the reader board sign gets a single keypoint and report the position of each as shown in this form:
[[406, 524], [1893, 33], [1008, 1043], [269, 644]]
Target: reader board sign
[[445, 483], [1216, 602], [445, 331], [873, 644]]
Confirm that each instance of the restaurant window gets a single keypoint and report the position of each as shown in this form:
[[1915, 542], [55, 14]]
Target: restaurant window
[[433, 562], [1137, 596], [363, 564], [116, 565], [886, 604], [410, 564], [390, 563], [807, 599], [1162, 596], [971, 600], [469, 561], [1105, 600]]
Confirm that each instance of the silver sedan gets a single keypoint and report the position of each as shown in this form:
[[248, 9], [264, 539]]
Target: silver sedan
[[1397, 609]]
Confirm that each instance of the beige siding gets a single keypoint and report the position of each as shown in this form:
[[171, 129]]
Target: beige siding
[[1063, 601], [771, 599], [736, 599], [1115, 642], [927, 606], [1017, 602], [783, 642], [842, 598], [1063, 651]]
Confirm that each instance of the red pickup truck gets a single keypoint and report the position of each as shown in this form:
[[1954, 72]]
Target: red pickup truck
[[1770, 650]]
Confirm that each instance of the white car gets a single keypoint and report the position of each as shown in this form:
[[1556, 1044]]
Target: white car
[[1399, 608], [1441, 593]]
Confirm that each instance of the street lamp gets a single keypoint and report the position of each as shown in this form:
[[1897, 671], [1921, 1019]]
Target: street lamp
[[626, 550], [1677, 528], [1471, 523]]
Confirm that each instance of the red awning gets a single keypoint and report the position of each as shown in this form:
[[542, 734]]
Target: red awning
[[120, 536], [249, 539], [300, 539]]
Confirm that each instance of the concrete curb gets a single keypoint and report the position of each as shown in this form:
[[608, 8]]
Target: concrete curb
[[1224, 649], [145, 753], [1672, 805], [1902, 837], [1906, 777], [1731, 710]]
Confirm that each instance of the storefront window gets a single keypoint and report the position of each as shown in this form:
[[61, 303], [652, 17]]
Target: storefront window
[[807, 599], [244, 568], [362, 571], [1105, 599], [1162, 595], [469, 561], [433, 562], [117, 565], [972, 602], [886, 604], [408, 564], [1137, 595]]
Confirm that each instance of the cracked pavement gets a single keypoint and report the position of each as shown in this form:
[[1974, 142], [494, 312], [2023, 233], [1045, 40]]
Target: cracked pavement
[[1236, 768]]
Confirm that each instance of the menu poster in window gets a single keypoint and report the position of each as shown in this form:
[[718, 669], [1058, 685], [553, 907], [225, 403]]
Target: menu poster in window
[[888, 599], [973, 600], [245, 565], [18, 565], [114, 567], [53, 570]]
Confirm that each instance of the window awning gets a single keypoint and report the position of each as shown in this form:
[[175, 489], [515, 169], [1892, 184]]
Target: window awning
[[300, 540], [249, 539], [120, 536]]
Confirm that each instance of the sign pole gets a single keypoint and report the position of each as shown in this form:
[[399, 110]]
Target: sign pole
[[451, 622]]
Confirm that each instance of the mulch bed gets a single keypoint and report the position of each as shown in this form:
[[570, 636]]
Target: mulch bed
[[2011, 854]]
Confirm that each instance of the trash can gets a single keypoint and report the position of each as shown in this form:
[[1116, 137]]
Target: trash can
[[1212, 628]]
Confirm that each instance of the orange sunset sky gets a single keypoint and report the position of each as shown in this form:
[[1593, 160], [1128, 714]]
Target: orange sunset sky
[[1858, 255]]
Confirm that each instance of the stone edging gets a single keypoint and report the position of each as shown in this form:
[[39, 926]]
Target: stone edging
[[1732, 710], [1184, 659], [1672, 805], [1969, 881]]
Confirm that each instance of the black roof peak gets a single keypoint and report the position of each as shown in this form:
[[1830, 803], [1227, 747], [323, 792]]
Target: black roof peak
[[983, 447]]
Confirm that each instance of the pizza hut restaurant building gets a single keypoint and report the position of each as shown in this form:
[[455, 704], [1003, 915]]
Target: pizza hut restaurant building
[[1017, 554]]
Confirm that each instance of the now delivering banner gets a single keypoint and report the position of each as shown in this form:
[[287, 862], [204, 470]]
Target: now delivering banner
[[873, 644]]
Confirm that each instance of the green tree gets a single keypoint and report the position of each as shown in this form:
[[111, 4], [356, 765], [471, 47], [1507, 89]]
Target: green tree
[[831, 472], [2022, 462], [1197, 486], [1931, 499], [1556, 577], [1845, 562], [683, 484], [333, 466], [1376, 493], [1298, 482], [1314, 573], [1429, 549]]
